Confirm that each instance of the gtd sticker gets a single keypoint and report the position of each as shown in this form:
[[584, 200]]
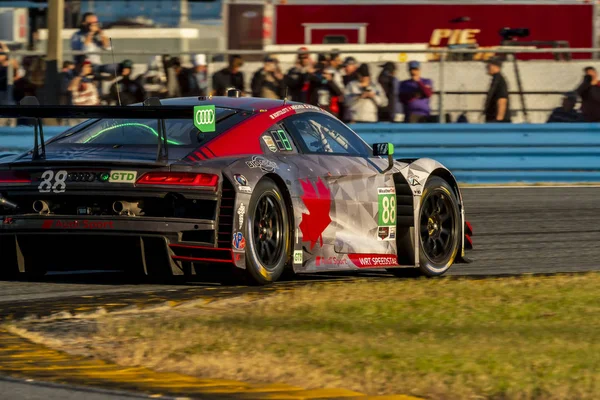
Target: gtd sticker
[[204, 118], [53, 182], [239, 243], [122, 176], [386, 201]]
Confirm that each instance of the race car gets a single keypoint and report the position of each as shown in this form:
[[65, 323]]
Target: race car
[[250, 186]]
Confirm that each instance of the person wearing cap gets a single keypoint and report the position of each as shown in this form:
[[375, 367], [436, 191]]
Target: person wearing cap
[[230, 77], [414, 94], [125, 90], [297, 79], [389, 83], [350, 66], [363, 98], [589, 90], [497, 104], [267, 82], [567, 112]]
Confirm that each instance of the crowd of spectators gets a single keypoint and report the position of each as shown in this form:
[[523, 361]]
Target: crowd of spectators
[[344, 87]]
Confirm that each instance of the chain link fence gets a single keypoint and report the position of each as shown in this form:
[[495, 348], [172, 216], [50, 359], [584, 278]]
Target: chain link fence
[[460, 87]]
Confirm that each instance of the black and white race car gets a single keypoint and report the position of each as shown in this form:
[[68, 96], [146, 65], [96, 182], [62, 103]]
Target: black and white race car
[[247, 185]]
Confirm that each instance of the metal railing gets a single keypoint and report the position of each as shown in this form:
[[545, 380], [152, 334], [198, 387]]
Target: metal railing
[[443, 82]]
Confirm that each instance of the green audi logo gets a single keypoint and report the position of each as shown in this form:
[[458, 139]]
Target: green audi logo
[[204, 118]]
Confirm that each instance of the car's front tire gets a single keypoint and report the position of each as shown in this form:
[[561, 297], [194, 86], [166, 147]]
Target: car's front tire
[[267, 234], [439, 230], [439, 227]]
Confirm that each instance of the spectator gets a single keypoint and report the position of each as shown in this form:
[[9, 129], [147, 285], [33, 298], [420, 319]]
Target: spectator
[[90, 39], [363, 97], [350, 66], [414, 94], [324, 92], [83, 90], [65, 76], [229, 77], [268, 81], [298, 77], [172, 71], [323, 59], [154, 80], [6, 98], [589, 90], [567, 112], [389, 83], [128, 90], [497, 104], [337, 64], [32, 83], [199, 76]]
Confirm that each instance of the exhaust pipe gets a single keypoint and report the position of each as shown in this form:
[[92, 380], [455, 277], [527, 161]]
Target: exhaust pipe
[[126, 208], [42, 207], [7, 203]]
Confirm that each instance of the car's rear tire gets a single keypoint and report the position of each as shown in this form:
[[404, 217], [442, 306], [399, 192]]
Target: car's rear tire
[[438, 230], [267, 234]]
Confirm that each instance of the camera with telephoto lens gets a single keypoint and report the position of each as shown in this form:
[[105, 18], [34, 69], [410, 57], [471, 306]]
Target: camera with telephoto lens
[[510, 33]]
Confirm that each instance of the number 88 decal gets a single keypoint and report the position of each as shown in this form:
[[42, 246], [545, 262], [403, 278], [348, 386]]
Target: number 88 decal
[[59, 185], [389, 209]]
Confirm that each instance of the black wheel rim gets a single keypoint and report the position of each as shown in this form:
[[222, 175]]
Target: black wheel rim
[[268, 225], [437, 226]]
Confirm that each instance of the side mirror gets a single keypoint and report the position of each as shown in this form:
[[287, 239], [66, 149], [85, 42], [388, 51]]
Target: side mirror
[[385, 149]]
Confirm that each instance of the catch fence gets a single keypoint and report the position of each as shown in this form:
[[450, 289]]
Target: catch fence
[[460, 83]]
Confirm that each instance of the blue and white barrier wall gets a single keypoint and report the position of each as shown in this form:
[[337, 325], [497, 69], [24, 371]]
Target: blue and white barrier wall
[[476, 153]]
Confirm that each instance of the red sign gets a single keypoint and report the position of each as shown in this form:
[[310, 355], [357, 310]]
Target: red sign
[[76, 224], [440, 25], [373, 260]]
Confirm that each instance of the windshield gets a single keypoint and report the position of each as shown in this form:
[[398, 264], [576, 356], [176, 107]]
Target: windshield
[[112, 131]]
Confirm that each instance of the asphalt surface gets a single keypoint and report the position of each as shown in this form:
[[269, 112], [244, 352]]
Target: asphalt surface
[[516, 231], [532, 230], [30, 390]]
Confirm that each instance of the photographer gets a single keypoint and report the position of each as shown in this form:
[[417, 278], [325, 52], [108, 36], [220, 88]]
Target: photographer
[[126, 89], [324, 92], [267, 82], [298, 77], [364, 97], [589, 90], [91, 39]]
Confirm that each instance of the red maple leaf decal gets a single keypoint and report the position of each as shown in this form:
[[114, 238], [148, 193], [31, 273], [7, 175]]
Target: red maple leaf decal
[[318, 204]]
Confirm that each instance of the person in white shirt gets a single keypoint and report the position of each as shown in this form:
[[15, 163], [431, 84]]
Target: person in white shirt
[[364, 97]]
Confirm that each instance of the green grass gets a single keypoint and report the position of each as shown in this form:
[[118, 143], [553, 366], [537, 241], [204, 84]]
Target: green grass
[[514, 338]]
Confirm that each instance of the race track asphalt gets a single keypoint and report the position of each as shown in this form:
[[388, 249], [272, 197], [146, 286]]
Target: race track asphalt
[[532, 230], [516, 231]]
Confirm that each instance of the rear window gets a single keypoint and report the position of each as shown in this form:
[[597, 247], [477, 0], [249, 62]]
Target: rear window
[[108, 131]]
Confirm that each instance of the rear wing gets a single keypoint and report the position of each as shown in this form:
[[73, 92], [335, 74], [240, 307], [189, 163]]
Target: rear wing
[[152, 108]]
